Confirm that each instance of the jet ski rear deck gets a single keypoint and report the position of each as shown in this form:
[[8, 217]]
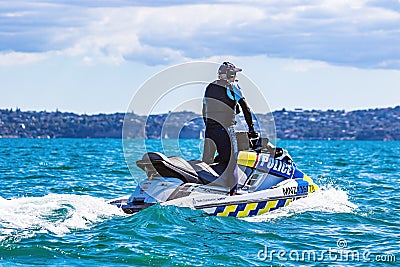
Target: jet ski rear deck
[[269, 179]]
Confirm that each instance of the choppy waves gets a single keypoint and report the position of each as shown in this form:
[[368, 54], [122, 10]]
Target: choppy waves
[[55, 214], [54, 211]]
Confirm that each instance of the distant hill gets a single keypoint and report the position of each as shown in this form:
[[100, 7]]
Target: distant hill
[[372, 124]]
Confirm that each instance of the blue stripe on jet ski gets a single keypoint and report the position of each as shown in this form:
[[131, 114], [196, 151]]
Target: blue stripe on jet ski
[[234, 210], [302, 187], [280, 204], [260, 205], [239, 207], [219, 210]]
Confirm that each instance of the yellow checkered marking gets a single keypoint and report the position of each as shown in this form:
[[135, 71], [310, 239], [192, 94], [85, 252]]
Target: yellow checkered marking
[[311, 186], [246, 158], [250, 207], [307, 178], [271, 204], [228, 209], [246, 211]]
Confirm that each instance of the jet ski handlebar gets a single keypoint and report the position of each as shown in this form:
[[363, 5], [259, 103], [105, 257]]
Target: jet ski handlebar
[[261, 145], [246, 141]]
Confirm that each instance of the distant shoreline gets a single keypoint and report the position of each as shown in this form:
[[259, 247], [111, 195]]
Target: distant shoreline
[[371, 124], [112, 138], [123, 112]]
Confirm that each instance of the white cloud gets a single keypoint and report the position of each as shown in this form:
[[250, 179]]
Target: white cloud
[[18, 58], [147, 34], [358, 33], [304, 65]]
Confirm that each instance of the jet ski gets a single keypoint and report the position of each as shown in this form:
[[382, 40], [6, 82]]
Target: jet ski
[[269, 180]]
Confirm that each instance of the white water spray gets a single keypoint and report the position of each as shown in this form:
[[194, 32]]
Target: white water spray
[[327, 199], [55, 213]]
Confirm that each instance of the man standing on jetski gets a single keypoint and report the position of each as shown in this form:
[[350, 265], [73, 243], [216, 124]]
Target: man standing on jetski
[[220, 105]]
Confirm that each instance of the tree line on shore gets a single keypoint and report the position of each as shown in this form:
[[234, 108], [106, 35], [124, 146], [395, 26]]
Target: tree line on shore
[[298, 124]]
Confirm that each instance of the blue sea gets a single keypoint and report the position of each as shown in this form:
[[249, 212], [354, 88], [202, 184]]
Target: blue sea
[[54, 211]]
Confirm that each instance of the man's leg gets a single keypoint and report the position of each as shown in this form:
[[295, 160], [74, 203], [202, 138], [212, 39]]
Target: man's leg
[[209, 150], [232, 166], [225, 141]]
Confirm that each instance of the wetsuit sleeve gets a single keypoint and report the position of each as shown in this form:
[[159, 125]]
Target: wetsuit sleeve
[[247, 114], [243, 104], [203, 111], [237, 91]]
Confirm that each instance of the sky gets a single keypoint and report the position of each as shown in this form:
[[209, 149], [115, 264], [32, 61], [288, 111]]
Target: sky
[[92, 56]]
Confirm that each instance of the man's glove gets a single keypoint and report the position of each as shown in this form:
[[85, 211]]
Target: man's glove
[[255, 141], [253, 134]]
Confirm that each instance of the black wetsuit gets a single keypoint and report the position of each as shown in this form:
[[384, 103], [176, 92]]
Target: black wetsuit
[[219, 110]]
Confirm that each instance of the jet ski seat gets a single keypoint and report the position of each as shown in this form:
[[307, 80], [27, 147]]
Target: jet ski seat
[[195, 171], [205, 172]]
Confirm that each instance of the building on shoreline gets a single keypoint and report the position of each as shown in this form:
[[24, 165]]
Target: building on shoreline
[[372, 124]]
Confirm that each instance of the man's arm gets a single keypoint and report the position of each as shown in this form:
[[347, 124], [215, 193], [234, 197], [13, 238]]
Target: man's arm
[[204, 111], [247, 114]]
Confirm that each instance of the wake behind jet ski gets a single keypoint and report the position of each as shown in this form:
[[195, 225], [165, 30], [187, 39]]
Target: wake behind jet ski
[[269, 179]]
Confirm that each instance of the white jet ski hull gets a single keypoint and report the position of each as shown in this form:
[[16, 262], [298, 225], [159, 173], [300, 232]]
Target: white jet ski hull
[[269, 179]]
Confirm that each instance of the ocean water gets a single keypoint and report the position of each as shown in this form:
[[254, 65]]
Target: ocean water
[[54, 211]]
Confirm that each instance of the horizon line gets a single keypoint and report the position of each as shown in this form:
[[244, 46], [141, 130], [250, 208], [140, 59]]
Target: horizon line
[[119, 112]]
